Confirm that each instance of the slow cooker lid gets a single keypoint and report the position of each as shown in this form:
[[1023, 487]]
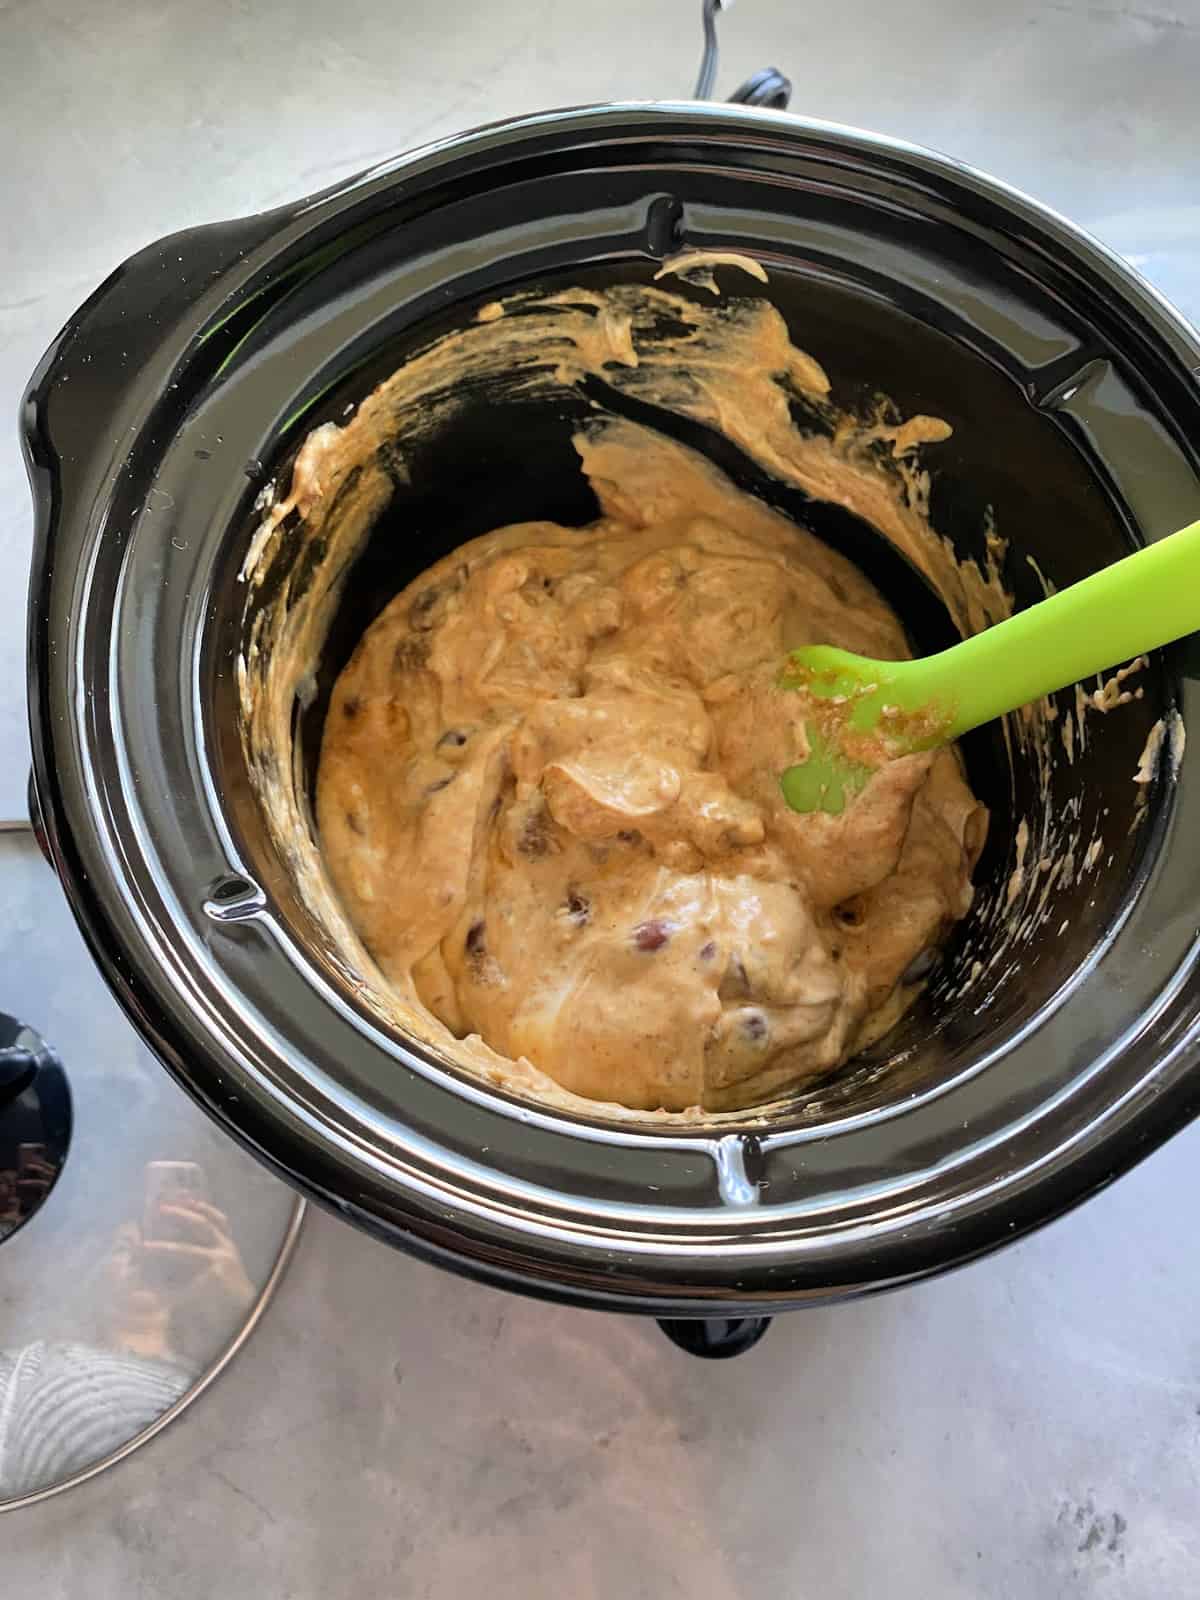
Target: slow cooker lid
[[229, 337], [115, 1315]]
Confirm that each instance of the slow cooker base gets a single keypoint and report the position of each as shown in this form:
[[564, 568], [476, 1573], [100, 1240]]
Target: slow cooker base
[[211, 356]]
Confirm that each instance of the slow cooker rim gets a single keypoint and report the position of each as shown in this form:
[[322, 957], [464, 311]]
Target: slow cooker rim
[[172, 1041]]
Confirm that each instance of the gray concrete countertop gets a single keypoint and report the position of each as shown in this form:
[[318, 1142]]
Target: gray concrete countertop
[[1027, 1427]]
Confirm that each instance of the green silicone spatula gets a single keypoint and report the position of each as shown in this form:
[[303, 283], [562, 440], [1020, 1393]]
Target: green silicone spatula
[[865, 713]]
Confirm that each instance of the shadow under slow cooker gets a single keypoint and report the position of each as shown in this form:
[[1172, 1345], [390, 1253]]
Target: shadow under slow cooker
[[1070, 829]]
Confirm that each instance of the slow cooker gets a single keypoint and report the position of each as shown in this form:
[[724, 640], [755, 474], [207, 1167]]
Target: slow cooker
[[1031, 1072]]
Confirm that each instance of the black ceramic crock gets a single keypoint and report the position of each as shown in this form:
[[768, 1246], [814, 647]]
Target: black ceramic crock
[[191, 376]]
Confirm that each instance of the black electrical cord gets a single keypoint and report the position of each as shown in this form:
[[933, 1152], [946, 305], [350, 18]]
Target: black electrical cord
[[768, 87], [708, 62]]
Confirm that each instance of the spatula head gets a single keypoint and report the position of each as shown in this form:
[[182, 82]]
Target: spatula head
[[863, 713], [825, 780]]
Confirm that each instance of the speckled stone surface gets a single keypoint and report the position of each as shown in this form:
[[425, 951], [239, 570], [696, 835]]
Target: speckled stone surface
[[1027, 1427]]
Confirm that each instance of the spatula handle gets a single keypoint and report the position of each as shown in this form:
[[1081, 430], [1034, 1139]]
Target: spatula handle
[[1137, 604]]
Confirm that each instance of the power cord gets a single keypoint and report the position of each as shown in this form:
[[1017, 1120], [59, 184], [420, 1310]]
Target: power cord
[[767, 87]]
